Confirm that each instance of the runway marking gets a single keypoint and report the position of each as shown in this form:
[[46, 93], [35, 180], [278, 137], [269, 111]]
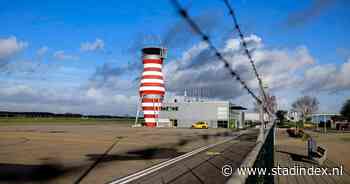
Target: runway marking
[[157, 167], [212, 153]]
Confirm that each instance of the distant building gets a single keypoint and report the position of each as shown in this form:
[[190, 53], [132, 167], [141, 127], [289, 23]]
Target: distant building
[[218, 114], [322, 117], [254, 116], [318, 118], [294, 116]]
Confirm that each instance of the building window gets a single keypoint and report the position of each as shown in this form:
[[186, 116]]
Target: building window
[[174, 122], [222, 124]]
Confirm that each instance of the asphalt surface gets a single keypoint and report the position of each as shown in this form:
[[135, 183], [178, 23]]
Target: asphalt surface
[[206, 166], [65, 153]]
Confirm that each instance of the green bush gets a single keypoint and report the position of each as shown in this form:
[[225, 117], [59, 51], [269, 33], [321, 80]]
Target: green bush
[[305, 137], [300, 124]]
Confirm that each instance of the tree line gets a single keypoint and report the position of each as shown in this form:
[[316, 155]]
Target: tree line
[[52, 115]]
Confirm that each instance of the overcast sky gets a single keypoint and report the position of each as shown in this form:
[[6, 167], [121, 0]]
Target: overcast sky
[[84, 56]]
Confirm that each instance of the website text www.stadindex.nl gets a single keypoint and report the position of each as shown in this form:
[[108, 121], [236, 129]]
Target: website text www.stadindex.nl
[[295, 170]]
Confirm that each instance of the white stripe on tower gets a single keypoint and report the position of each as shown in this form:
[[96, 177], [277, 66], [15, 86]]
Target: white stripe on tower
[[152, 73], [151, 104], [152, 65], [150, 112], [151, 56], [150, 120], [152, 81], [152, 88]]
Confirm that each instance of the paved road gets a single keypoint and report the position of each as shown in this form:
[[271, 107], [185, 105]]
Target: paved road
[[204, 167]]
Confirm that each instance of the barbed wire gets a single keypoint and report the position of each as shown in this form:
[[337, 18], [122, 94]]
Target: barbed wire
[[244, 43], [183, 13]]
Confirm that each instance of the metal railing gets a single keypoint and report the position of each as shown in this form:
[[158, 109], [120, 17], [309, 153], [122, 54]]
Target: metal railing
[[262, 156]]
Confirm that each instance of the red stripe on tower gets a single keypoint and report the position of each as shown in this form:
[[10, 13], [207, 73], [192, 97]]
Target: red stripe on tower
[[152, 88], [152, 77], [152, 69], [152, 84], [155, 61]]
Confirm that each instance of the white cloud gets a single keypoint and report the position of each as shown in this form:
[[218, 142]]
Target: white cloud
[[42, 50], [194, 51], [328, 77], [278, 67], [18, 89], [303, 57], [253, 41], [24, 97], [98, 44], [289, 73], [61, 55], [10, 46]]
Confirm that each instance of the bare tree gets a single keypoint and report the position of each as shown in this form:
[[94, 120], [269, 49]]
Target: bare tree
[[256, 107], [306, 105], [270, 104]]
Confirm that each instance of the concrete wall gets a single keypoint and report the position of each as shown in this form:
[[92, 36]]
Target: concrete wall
[[254, 116], [188, 113]]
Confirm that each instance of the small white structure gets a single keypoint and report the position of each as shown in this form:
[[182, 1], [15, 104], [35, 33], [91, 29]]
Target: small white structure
[[254, 116], [164, 123], [294, 116]]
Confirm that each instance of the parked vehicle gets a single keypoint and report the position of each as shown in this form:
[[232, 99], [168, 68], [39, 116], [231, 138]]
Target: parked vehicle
[[200, 125]]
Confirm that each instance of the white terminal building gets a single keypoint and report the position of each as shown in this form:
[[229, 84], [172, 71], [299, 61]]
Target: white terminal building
[[217, 114]]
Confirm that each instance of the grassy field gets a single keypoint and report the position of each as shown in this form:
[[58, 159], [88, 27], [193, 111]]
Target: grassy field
[[287, 124], [347, 139], [63, 120]]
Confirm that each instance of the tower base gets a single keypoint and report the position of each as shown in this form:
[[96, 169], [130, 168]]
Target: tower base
[[151, 125]]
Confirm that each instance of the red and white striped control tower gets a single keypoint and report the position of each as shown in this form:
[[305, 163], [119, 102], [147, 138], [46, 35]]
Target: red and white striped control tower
[[152, 87]]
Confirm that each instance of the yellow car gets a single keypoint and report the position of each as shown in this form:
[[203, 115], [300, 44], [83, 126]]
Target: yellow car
[[200, 124]]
